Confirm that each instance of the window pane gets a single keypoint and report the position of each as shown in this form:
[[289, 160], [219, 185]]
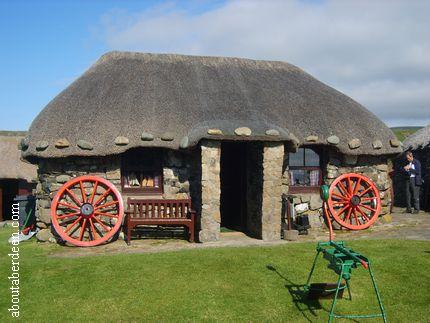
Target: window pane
[[142, 170], [296, 159], [301, 177], [311, 158], [142, 179]]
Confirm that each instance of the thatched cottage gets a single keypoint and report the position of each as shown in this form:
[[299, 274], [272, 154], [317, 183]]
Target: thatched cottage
[[234, 134], [16, 177]]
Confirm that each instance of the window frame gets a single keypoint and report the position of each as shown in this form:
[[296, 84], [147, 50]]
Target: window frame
[[157, 167], [306, 189]]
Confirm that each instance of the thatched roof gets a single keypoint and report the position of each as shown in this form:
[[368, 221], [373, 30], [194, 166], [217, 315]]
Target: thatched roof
[[11, 166], [418, 140], [176, 99]]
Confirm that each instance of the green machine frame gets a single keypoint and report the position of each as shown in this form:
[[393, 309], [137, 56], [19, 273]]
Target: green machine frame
[[342, 260]]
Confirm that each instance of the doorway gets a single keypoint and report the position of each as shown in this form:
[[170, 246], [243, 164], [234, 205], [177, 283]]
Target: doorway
[[233, 203], [8, 190]]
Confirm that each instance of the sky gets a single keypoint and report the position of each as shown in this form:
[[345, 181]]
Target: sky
[[377, 52]]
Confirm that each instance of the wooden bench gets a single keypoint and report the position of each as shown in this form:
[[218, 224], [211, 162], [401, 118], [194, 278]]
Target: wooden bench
[[159, 212]]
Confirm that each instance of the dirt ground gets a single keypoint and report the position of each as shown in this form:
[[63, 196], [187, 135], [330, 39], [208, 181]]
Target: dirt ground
[[402, 226]]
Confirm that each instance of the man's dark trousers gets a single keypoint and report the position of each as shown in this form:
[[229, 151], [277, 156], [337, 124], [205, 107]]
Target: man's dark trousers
[[411, 186]]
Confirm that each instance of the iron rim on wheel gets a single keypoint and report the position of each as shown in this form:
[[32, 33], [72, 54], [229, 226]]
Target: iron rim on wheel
[[354, 201], [87, 211]]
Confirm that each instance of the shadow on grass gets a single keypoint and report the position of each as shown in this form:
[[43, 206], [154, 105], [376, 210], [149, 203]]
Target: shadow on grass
[[299, 297]]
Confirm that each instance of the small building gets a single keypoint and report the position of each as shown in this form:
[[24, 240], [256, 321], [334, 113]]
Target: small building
[[16, 176], [234, 134], [419, 144]]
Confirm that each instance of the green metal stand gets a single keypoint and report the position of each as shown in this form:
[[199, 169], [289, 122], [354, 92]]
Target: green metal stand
[[342, 260]]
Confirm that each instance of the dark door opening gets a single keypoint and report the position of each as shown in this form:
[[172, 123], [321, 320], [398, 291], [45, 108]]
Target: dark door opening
[[8, 189], [233, 185]]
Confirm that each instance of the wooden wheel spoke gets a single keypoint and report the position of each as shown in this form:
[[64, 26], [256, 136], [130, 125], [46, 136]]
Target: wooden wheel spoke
[[96, 183], [84, 223], [102, 224], [355, 217], [342, 189], [357, 187], [348, 215], [342, 198], [367, 207], [84, 195], [364, 215], [365, 191], [348, 181], [94, 232], [70, 206], [343, 210], [339, 203], [103, 206], [102, 197], [106, 214], [74, 197], [68, 215], [72, 225], [368, 198]]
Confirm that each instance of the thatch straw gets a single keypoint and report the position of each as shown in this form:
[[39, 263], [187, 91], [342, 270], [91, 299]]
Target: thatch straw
[[181, 97]]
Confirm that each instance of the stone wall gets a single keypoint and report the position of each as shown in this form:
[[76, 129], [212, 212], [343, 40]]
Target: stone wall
[[335, 164], [176, 174], [196, 173], [273, 157], [53, 173], [374, 167], [210, 217]]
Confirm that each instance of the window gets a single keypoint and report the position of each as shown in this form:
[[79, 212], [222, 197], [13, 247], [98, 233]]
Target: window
[[304, 170], [141, 171]]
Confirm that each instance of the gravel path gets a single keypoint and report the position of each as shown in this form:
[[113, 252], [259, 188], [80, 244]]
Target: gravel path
[[402, 226]]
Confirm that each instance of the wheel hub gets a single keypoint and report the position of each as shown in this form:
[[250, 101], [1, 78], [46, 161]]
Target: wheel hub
[[87, 209], [355, 200]]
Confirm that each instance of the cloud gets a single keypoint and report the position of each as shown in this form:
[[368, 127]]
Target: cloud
[[377, 52]]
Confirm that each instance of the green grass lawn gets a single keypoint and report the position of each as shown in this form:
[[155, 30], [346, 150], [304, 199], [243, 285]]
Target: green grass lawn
[[403, 132], [219, 284]]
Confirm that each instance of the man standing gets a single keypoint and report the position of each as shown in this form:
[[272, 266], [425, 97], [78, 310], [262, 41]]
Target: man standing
[[413, 183]]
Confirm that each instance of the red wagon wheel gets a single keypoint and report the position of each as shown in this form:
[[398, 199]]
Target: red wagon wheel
[[87, 211], [354, 201]]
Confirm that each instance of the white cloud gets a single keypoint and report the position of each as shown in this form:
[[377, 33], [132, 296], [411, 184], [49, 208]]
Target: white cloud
[[378, 52]]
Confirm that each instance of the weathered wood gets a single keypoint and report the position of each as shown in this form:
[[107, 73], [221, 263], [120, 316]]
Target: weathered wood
[[158, 212]]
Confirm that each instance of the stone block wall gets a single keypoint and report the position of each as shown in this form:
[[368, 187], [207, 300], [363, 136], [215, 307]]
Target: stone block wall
[[53, 173], [176, 174], [335, 164], [374, 167], [210, 217], [273, 157]]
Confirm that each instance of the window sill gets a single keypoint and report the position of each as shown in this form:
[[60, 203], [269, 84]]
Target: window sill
[[129, 191], [303, 189]]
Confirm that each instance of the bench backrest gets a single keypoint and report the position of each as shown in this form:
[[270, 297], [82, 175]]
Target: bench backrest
[[159, 208]]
